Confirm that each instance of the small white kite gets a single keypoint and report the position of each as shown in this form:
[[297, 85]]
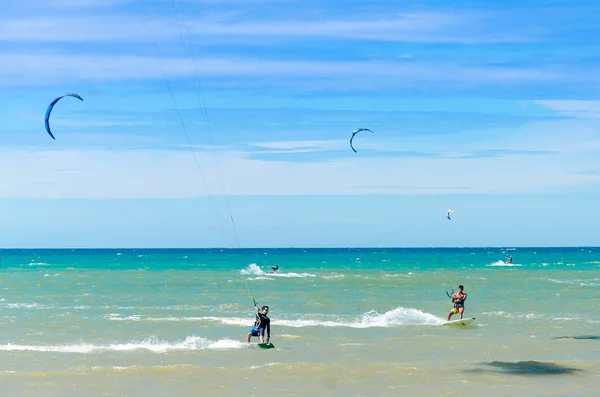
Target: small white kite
[[448, 213]]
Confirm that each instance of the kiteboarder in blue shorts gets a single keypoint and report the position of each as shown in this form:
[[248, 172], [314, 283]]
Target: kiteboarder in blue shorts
[[261, 324]]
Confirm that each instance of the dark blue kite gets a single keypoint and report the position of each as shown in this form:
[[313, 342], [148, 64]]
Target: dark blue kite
[[356, 132], [51, 106]]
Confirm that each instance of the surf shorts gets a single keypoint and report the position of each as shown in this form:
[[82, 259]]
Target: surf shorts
[[257, 331]]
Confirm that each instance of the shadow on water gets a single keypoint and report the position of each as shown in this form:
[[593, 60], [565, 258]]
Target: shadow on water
[[582, 337], [527, 368]]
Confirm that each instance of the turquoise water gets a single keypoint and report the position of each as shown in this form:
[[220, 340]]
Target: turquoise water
[[345, 322]]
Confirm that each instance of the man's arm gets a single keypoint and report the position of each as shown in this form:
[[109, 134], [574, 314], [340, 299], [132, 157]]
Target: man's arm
[[268, 331]]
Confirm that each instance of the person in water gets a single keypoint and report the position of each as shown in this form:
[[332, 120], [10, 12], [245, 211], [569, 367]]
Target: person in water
[[458, 299], [509, 259], [261, 324], [275, 268]]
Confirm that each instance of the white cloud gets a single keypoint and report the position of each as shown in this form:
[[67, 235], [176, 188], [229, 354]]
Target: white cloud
[[42, 4], [312, 145], [64, 122], [573, 108], [563, 136], [173, 174], [570, 137], [50, 69], [408, 26]]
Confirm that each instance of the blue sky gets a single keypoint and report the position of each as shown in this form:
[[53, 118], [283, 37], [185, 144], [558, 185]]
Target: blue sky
[[490, 108]]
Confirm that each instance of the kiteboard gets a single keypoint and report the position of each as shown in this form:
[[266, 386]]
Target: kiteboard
[[263, 345], [463, 321]]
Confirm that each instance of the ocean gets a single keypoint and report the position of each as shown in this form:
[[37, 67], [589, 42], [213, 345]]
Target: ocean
[[344, 322]]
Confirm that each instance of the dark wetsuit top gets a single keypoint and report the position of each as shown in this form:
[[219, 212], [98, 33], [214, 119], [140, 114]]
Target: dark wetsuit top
[[263, 322], [459, 302]]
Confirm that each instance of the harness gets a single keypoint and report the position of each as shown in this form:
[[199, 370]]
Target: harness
[[459, 302]]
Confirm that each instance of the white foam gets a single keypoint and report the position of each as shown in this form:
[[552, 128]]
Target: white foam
[[396, 317], [560, 281], [27, 306], [503, 264], [254, 269], [334, 276], [40, 264], [264, 365], [580, 282], [154, 345]]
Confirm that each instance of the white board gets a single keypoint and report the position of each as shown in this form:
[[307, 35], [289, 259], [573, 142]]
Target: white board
[[464, 321]]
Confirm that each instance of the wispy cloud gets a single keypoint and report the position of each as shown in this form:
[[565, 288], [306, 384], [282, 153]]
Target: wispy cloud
[[47, 69], [427, 27], [118, 55], [468, 98], [298, 146], [310, 155], [173, 174], [574, 108], [316, 45], [594, 172], [41, 4], [85, 122]]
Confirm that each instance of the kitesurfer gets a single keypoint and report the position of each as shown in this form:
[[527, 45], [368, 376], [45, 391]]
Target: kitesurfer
[[261, 324], [458, 299]]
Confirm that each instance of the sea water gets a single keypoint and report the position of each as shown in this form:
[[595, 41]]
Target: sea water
[[344, 322]]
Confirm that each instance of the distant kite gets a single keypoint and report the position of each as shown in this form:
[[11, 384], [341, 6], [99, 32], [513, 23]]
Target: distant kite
[[51, 106], [448, 213], [356, 132]]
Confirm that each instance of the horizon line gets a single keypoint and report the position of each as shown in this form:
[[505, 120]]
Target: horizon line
[[292, 248]]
